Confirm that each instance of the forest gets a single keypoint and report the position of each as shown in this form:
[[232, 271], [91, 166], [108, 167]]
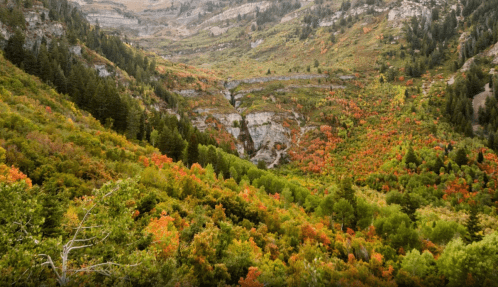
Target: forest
[[393, 187]]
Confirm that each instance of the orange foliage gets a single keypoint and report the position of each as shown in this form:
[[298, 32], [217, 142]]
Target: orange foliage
[[351, 258], [460, 189], [251, 278], [377, 257], [388, 273], [308, 232], [314, 154], [13, 174], [165, 235], [350, 231]]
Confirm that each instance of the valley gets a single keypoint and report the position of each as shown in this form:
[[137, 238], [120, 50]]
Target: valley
[[248, 143]]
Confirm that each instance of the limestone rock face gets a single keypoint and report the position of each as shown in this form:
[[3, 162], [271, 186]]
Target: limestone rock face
[[408, 9], [259, 125], [231, 122], [266, 131], [256, 43], [111, 19], [75, 50], [38, 26], [102, 71], [493, 52], [240, 10]]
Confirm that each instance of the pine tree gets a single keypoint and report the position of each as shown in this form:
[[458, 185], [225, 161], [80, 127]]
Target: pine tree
[[409, 205], [473, 227], [52, 212], [480, 157], [438, 165], [44, 64], [262, 165], [163, 142], [411, 157], [193, 150], [347, 192], [14, 50], [177, 145], [461, 157], [491, 140]]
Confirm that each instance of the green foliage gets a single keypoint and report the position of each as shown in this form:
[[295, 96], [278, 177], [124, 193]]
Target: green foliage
[[444, 231], [477, 262], [20, 224], [410, 157], [397, 230], [344, 212], [417, 264]]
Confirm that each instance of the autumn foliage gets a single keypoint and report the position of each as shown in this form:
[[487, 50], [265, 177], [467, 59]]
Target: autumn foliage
[[13, 174], [166, 237]]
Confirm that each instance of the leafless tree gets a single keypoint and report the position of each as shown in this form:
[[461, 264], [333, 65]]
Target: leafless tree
[[63, 273]]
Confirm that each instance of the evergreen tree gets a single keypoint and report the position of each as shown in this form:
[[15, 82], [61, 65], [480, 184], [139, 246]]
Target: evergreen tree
[[212, 158], [193, 150], [480, 157], [44, 64], [347, 192], [409, 205], [461, 157], [164, 141], [222, 165], [30, 64], [262, 165], [53, 213], [15, 50], [473, 227], [438, 165], [411, 157], [177, 145]]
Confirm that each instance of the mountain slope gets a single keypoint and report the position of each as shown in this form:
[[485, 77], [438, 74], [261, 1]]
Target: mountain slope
[[383, 175]]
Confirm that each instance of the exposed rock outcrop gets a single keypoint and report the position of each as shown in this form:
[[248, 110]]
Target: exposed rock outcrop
[[267, 132], [493, 52], [233, 84], [408, 9], [102, 71]]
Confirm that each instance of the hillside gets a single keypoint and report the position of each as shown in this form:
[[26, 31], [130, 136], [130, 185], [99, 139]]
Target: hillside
[[216, 143]]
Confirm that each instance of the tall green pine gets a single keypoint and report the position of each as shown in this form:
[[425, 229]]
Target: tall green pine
[[461, 157], [473, 227], [14, 50], [193, 150]]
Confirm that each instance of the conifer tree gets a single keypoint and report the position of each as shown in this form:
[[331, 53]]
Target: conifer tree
[[480, 157], [53, 213], [15, 50], [44, 64], [411, 157], [347, 192], [472, 224], [461, 157], [164, 141], [193, 150], [438, 165]]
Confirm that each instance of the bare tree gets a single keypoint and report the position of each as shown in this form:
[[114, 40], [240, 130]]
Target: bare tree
[[64, 273]]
